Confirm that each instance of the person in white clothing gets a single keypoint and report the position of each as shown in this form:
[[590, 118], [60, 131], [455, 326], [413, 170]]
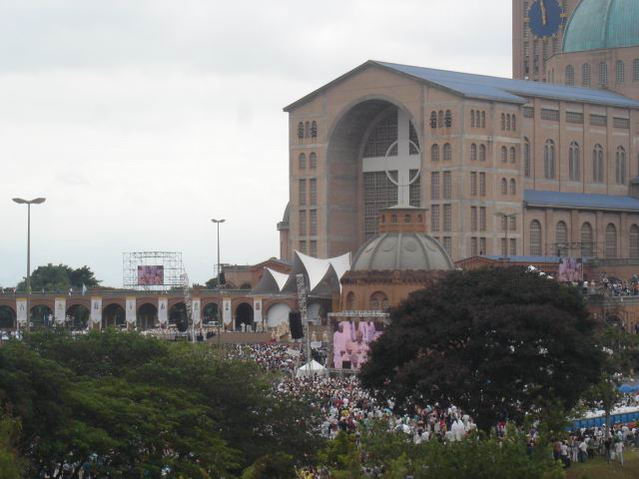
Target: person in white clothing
[[619, 451]]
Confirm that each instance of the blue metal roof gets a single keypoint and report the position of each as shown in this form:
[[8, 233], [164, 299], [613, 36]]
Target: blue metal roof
[[581, 200], [508, 90]]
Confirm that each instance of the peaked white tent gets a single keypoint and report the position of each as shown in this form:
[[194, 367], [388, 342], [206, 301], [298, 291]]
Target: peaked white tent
[[312, 368]]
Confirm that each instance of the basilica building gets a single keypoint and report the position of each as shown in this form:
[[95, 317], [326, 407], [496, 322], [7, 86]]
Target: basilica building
[[505, 167]]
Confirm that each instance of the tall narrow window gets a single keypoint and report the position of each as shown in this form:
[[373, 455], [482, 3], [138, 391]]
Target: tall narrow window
[[314, 129], [301, 161], [514, 122], [448, 218], [302, 223], [312, 186], [302, 192], [603, 74], [473, 218], [507, 122], [300, 130], [611, 241], [620, 72], [620, 166], [482, 152], [513, 246], [503, 121], [549, 159], [504, 154], [634, 241], [504, 186], [586, 75], [561, 239], [448, 185], [313, 250], [448, 152], [313, 222], [513, 154], [570, 75], [434, 152], [473, 246], [574, 161], [472, 118], [598, 164], [434, 185], [482, 218], [312, 161], [433, 119], [587, 241], [526, 157], [535, 238], [482, 184], [434, 218], [473, 183], [473, 152], [448, 119], [483, 119]]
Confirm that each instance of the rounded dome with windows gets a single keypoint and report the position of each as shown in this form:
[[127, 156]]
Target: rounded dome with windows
[[602, 24]]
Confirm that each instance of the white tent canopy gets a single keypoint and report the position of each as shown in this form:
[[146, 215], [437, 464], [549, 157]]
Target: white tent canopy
[[312, 368]]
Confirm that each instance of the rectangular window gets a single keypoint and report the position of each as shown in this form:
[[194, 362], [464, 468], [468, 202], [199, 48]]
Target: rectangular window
[[513, 223], [598, 120], [504, 252], [448, 185], [448, 218], [482, 219], [513, 247], [302, 223], [313, 222], [473, 183], [312, 191], [448, 244], [313, 251], [529, 112], [473, 218], [474, 245], [574, 117], [434, 185], [303, 246], [482, 246], [550, 115], [434, 218], [482, 184], [302, 192], [623, 123]]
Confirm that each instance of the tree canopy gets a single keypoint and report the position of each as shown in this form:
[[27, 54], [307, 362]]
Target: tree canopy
[[498, 343], [122, 405], [60, 278]]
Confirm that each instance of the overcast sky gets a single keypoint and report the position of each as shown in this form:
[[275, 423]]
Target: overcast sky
[[140, 120]]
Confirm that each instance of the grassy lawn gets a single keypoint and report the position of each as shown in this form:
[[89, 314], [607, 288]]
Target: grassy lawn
[[598, 469]]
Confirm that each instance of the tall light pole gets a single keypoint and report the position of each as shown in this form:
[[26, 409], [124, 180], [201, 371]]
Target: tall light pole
[[217, 222], [35, 201], [507, 218]]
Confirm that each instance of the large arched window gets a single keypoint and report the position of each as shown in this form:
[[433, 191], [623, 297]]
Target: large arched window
[[378, 301], [570, 75], [574, 161], [434, 152], [561, 238], [482, 152], [535, 238], [504, 154], [620, 166], [433, 119], [473, 152], [448, 119], [587, 241], [620, 72], [611, 241], [526, 157], [448, 152], [598, 164], [513, 187], [586, 74], [312, 161], [302, 161], [504, 186], [549, 159], [634, 241]]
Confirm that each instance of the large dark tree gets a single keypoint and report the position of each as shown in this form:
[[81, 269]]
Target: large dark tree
[[60, 278], [498, 343]]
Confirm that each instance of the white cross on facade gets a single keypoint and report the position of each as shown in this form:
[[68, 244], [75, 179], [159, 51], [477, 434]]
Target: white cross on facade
[[403, 162]]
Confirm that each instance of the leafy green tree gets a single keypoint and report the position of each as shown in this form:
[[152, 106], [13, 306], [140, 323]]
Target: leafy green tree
[[59, 278], [11, 465], [275, 466], [495, 342]]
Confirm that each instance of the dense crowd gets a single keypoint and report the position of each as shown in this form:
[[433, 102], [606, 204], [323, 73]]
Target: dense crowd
[[271, 356]]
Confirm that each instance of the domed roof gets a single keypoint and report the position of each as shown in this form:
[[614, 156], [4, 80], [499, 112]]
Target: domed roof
[[402, 251], [599, 24]]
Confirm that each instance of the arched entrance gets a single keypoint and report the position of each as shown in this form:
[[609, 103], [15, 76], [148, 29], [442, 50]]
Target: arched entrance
[[179, 317], [7, 318], [147, 316], [244, 315], [277, 315], [375, 143], [113, 316], [210, 313], [79, 317], [41, 317]]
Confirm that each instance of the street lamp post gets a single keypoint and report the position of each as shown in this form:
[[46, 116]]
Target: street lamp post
[[217, 222], [35, 201], [507, 218]]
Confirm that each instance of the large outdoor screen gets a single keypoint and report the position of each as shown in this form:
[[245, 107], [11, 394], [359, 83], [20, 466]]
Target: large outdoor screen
[[150, 275], [352, 341], [570, 269]]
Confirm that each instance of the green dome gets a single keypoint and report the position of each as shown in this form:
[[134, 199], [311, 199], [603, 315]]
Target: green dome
[[598, 24]]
